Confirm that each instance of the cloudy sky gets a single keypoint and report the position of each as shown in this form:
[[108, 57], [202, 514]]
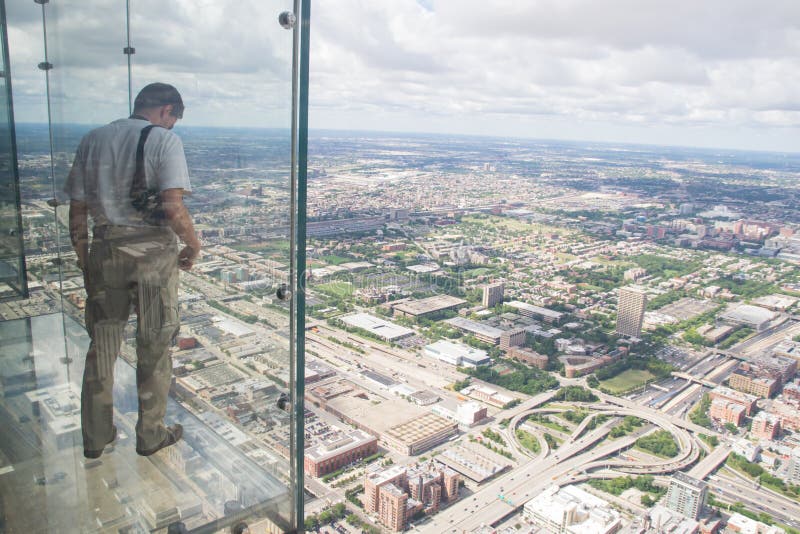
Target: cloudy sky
[[723, 73]]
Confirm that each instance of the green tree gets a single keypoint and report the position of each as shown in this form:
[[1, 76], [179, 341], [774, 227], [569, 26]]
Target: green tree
[[311, 523], [730, 427]]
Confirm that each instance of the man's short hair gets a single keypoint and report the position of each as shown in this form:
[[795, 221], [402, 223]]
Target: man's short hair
[[159, 94]]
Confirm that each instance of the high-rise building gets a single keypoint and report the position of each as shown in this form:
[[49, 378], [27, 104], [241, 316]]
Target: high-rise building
[[399, 492], [686, 495], [794, 466], [727, 411], [512, 338], [493, 294], [766, 426], [630, 311], [571, 509], [392, 507], [374, 481]]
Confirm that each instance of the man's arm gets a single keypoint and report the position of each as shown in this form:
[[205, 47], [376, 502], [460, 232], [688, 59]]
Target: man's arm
[[181, 223], [79, 231]]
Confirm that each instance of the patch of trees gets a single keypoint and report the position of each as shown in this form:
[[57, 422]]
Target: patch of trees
[[747, 289], [658, 367], [665, 267], [542, 346], [494, 436], [575, 417], [736, 337], [629, 423], [665, 298], [523, 379], [699, 415], [763, 476], [551, 441], [529, 441], [616, 486], [352, 495], [327, 516], [576, 394], [711, 440], [660, 443], [692, 336], [461, 384]]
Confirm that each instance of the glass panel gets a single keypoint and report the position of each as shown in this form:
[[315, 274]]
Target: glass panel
[[237, 134], [48, 485], [95, 442], [13, 282]]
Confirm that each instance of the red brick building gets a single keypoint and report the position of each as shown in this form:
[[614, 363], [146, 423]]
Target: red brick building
[[334, 454], [766, 426], [738, 397], [727, 412]]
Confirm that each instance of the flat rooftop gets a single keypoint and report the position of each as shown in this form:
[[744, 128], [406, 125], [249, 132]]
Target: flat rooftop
[[747, 313], [477, 465], [377, 326], [535, 310], [375, 418], [379, 378], [475, 327], [429, 305], [339, 444], [419, 428], [455, 350]]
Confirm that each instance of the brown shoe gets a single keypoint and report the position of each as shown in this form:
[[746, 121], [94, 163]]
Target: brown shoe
[[174, 434], [92, 454]]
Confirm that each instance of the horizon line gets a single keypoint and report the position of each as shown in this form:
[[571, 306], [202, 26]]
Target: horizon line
[[455, 134]]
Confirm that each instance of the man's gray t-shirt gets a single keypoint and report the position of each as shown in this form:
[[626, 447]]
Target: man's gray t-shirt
[[105, 162]]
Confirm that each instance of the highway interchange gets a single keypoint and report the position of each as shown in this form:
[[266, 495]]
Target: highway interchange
[[585, 454], [590, 455]]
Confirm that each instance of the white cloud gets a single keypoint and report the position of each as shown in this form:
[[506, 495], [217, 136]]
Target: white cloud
[[725, 70]]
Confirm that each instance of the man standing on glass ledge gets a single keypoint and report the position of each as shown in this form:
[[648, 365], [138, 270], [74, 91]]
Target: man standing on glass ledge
[[129, 177]]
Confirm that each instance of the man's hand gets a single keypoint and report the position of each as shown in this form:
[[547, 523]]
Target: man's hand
[[79, 232], [181, 223], [186, 258]]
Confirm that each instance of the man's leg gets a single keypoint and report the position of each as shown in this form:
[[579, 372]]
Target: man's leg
[[158, 323], [107, 310]]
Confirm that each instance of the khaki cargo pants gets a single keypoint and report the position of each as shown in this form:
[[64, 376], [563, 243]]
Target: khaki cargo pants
[[129, 267]]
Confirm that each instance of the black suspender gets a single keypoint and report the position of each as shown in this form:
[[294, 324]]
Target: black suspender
[[146, 201]]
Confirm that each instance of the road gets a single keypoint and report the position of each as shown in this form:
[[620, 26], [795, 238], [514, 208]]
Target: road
[[764, 340], [707, 465], [732, 489], [561, 467]]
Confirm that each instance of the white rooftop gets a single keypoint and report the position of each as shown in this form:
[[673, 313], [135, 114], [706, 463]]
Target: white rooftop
[[748, 313], [377, 326], [538, 310], [456, 350], [585, 513]]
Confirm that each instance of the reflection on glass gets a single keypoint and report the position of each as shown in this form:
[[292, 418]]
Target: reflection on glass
[[207, 348], [45, 471], [13, 282]]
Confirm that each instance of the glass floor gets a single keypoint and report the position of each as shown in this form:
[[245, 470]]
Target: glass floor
[[208, 482]]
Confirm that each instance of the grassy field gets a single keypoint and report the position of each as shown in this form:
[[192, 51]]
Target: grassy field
[[336, 260], [529, 441], [612, 263], [549, 423], [336, 289], [514, 225], [626, 380], [277, 249]]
